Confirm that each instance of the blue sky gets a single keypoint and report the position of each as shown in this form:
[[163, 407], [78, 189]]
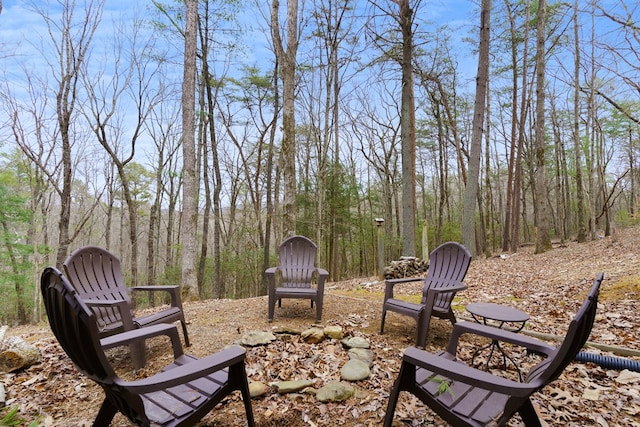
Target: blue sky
[[19, 27], [23, 32]]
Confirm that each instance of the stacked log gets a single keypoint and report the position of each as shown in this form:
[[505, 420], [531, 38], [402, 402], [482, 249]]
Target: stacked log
[[406, 267], [16, 353]]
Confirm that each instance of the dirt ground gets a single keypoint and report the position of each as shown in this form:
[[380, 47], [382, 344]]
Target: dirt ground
[[549, 287]]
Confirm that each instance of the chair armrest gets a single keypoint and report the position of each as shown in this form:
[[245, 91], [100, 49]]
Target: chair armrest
[[455, 288], [271, 270], [189, 371], [393, 282], [271, 279], [172, 290], [498, 334], [126, 338], [453, 370], [322, 278], [389, 284], [322, 272], [113, 303]]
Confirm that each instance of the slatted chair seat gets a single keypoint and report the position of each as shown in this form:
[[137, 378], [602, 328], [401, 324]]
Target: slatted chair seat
[[296, 274], [479, 398], [96, 275], [180, 395], [448, 266]]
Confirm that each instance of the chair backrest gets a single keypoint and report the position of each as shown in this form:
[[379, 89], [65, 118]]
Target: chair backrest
[[577, 335], [74, 326], [297, 257], [95, 273], [448, 265]]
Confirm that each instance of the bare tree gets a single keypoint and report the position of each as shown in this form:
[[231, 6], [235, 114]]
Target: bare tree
[[190, 186], [71, 40], [408, 131], [286, 58], [543, 239], [577, 150], [130, 84], [163, 129], [471, 189]]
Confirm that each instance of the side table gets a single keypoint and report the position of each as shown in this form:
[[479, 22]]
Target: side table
[[497, 315]]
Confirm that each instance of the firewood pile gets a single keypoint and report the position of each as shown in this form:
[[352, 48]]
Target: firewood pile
[[406, 267]]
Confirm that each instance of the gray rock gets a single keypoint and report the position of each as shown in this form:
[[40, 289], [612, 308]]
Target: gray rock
[[285, 330], [313, 335], [257, 389], [256, 338], [292, 386], [362, 354], [355, 342], [334, 332], [355, 370], [335, 391]]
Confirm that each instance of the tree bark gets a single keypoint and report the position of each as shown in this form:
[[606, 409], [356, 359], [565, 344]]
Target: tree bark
[[580, 210], [190, 187], [543, 239], [471, 189], [287, 60], [408, 133]]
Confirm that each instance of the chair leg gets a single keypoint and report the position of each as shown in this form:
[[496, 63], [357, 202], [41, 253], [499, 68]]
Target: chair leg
[[529, 415], [246, 397], [452, 317], [318, 310], [185, 333], [393, 400], [384, 315], [272, 306], [105, 414], [423, 322], [138, 354]]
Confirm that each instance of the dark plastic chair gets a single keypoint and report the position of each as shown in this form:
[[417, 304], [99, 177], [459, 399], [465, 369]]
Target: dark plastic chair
[[180, 395], [294, 276], [448, 265], [477, 398], [96, 275]]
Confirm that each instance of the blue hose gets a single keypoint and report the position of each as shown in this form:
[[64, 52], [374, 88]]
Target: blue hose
[[608, 362]]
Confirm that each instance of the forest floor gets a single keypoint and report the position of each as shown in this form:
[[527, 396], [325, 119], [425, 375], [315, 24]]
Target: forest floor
[[549, 287]]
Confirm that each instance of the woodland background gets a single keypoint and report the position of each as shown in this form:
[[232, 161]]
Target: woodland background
[[300, 127]]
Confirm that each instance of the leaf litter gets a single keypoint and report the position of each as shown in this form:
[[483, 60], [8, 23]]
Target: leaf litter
[[550, 287]]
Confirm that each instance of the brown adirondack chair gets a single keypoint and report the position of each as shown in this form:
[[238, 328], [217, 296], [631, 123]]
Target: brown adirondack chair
[[448, 265], [180, 395], [476, 397], [294, 276], [96, 275]]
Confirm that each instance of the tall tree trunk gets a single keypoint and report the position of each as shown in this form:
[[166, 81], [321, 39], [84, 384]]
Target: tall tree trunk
[[408, 133], [287, 59], [517, 203], [269, 175], [590, 132], [511, 196], [190, 187], [471, 189], [202, 138], [581, 224], [543, 238]]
